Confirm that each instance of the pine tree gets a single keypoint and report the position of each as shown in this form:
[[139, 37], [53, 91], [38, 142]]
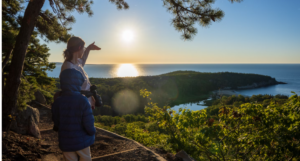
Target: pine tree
[[36, 63]]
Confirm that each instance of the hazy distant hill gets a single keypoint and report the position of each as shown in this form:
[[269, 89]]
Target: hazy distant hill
[[58, 63]]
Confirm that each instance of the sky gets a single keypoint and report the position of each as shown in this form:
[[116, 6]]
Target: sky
[[253, 31]]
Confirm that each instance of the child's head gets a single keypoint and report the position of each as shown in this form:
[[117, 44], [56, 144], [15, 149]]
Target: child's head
[[75, 45]]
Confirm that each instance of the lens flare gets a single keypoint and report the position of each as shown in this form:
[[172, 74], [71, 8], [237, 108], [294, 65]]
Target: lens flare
[[125, 102]]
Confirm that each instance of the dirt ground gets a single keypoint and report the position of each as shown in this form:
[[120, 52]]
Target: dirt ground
[[106, 147]]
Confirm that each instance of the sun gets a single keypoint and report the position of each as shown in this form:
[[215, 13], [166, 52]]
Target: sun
[[128, 36], [127, 70]]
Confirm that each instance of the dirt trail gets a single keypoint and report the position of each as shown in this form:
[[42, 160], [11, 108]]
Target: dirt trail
[[107, 146]]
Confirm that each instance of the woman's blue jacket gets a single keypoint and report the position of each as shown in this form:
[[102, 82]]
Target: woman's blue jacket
[[72, 114]]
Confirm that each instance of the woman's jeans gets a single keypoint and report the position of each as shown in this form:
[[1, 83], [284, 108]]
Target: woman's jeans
[[83, 155]]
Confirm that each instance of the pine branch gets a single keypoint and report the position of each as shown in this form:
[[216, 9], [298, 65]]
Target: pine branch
[[7, 56], [121, 4], [187, 12], [44, 16]]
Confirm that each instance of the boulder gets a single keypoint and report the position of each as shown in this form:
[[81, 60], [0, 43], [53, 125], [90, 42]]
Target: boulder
[[184, 156], [39, 97], [26, 122]]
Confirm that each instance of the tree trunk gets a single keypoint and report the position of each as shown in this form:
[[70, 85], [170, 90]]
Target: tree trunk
[[10, 94]]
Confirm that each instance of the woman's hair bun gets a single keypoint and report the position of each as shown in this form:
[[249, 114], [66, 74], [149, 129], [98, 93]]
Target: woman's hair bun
[[67, 55]]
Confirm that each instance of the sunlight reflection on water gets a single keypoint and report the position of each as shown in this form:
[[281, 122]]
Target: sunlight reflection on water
[[126, 70]]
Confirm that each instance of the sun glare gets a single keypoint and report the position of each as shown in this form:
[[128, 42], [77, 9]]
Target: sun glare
[[128, 36], [127, 70]]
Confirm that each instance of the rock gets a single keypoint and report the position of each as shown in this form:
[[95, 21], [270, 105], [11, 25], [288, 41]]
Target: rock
[[26, 122], [33, 128], [281, 83], [50, 157], [184, 156], [39, 97]]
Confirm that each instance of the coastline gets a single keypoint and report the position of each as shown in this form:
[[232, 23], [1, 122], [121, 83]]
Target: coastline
[[225, 92]]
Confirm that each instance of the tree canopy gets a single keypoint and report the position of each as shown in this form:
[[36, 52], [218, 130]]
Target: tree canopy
[[36, 63]]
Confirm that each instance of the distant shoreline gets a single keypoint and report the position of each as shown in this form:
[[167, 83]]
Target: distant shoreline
[[225, 92]]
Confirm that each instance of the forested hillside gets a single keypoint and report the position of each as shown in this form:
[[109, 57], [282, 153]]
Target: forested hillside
[[173, 88]]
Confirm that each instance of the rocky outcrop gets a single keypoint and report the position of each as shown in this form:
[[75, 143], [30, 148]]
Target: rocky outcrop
[[39, 97], [26, 122], [229, 91], [259, 84]]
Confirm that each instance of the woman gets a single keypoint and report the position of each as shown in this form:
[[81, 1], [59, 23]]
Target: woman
[[75, 57], [71, 111]]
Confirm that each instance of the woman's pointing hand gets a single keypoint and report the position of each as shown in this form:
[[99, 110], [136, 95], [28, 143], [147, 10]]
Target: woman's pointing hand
[[92, 46]]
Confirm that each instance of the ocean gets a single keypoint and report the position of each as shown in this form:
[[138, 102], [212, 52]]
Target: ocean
[[288, 73]]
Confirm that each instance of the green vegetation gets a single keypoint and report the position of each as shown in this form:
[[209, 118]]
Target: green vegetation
[[265, 129], [236, 101]]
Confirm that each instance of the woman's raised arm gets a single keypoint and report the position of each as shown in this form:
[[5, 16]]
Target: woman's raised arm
[[87, 51]]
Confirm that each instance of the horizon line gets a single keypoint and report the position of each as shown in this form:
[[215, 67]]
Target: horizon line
[[179, 63]]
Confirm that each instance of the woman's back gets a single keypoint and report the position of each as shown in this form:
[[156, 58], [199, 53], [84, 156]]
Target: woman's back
[[72, 114]]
